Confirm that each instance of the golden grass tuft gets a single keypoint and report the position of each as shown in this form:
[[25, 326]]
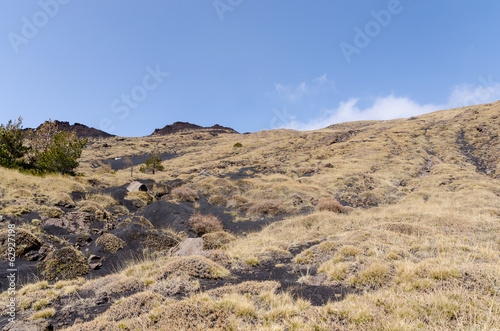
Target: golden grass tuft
[[330, 205], [195, 266], [217, 240], [185, 194]]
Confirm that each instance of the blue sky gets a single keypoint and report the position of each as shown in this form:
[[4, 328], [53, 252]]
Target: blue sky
[[129, 67]]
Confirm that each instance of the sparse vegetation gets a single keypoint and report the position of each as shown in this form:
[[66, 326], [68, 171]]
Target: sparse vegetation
[[410, 242], [330, 205], [185, 194], [111, 242], [201, 224]]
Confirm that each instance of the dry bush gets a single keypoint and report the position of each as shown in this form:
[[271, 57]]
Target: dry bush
[[89, 206], [51, 212], [238, 202], [104, 200], [111, 242], [21, 193], [15, 210], [176, 284], [195, 266], [217, 200], [330, 205], [201, 224], [65, 263], [185, 194], [134, 306], [246, 288], [216, 240], [271, 207]]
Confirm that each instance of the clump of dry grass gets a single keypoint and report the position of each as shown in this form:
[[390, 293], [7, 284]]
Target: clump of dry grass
[[195, 266], [134, 305], [104, 200], [15, 210], [111, 242], [201, 224], [185, 194], [217, 200], [216, 240], [271, 207], [330, 205], [176, 284], [51, 212]]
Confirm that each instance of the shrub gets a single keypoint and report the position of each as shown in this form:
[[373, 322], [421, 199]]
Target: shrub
[[134, 306], [217, 239], [65, 263], [176, 284], [111, 242], [194, 266], [201, 224], [217, 200], [238, 145], [330, 205], [12, 150], [185, 194], [56, 152], [271, 207], [46, 313]]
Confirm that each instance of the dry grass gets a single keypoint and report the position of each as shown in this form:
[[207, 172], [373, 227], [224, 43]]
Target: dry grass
[[330, 205], [201, 224], [421, 245], [185, 194], [111, 242]]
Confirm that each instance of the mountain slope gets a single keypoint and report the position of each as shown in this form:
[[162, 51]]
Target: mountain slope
[[363, 225]]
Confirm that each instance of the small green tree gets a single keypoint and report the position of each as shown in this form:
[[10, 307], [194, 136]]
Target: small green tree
[[152, 164], [12, 150], [61, 154]]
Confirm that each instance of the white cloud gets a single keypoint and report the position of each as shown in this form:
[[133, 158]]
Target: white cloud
[[294, 93], [392, 107]]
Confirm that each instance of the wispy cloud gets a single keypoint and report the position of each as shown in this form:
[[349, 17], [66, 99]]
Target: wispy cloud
[[392, 106], [296, 92]]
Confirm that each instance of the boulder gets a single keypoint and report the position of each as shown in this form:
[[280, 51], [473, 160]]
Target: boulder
[[187, 247]]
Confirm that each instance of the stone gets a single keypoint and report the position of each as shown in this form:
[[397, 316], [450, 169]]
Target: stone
[[102, 299], [187, 247]]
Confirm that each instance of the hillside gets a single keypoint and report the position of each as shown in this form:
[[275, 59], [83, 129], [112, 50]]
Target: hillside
[[385, 225]]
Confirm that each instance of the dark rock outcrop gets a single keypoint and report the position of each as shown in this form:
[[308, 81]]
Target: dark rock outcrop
[[185, 126]]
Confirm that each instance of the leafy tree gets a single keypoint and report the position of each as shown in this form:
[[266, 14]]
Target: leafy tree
[[48, 151], [152, 164], [12, 150], [61, 154]]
